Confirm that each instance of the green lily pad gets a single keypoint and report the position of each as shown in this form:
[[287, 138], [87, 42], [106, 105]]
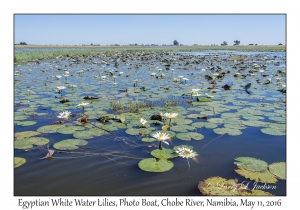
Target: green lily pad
[[190, 135], [251, 164], [70, 144], [18, 161], [216, 120], [278, 169], [229, 131], [29, 142], [273, 131], [70, 129], [133, 131], [183, 121], [50, 128], [258, 176], [25, 134], [256, 123], [163, 153], [152, 165], [20, 117], [148, 139], [83, 135], [26, 123]]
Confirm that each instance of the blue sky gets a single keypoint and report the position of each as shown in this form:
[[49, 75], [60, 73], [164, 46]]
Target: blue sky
[[149, 29]]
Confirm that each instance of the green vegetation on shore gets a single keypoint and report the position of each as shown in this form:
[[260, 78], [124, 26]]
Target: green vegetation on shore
[[43, 54]]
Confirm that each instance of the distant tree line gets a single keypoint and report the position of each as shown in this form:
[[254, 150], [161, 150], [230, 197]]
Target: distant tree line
[[23, 43]]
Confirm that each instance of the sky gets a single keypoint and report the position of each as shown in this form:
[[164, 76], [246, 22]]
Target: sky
[[187, 29]]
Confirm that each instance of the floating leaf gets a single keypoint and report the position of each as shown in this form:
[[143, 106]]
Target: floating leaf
[[152, 165], [148, 139], [50, 128], [70, 144], [18, 161], [258, 176], [26, 123], [163, 153], [29, 142], [229, 131], [278, 169], [251, 164], [83, 135], [256, 123], [273, 132], [190, 135], [183, 121], [216, 120], [133, 131], [25, 134], [70, 129]]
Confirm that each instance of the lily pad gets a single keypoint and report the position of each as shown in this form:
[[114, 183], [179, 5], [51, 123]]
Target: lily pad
[[26, 123], [25, 134], [152, 165], [70, 144], [133, 131], [70, 129], [190, 135], [251, 164], [258, 176], [273, 131], [18, 161], [278, 169], [29, 142], [229, 131], [163, 153], [50, 128], [148, 139]]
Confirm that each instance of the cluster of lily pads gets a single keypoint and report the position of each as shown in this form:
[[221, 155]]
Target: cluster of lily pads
[[75, 96], [250, 168]]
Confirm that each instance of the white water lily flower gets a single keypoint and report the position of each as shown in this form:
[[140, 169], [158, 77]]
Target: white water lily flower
[[176, 80], [82, 104], [161, 137], [61, 87], [120, 73], [278, 78], [64, 115], [185, 79], [115, 84], [186, 152], [171, 115], [180, 76], [143, 121], [153, 74], [57, 76], [261, 71], [103, 77]]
